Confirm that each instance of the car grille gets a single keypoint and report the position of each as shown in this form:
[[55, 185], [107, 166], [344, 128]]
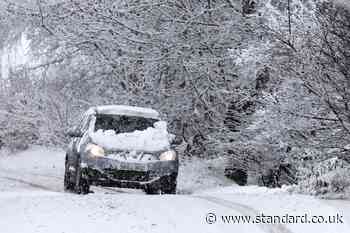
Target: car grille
[[127, 175], [128, 156]]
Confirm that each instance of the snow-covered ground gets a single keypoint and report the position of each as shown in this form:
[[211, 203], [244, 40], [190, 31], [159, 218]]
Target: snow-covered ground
[[32, 201]]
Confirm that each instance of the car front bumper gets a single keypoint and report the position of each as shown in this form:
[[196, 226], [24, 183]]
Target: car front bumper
[[109, 172]]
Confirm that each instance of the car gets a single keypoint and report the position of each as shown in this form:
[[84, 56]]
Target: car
[[121, 146]]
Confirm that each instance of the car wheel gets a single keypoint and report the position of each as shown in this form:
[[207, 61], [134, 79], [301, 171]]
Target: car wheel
[[68, 185], [168, 186], [82, 185], [170, 190], [152, 190]]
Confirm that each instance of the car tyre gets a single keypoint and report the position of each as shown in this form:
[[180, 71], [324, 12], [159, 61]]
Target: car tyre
[[151, 190], [68, 185], [82, 185], [168, 186]]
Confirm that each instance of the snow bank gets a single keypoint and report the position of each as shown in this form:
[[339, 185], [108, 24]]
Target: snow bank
[[245, 190], [328, 179], [150, 140]]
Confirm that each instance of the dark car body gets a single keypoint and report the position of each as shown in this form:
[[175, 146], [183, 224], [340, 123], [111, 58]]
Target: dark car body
[[82, 170]]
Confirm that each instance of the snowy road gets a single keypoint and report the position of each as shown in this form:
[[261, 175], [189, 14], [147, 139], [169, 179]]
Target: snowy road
[[32, 200]]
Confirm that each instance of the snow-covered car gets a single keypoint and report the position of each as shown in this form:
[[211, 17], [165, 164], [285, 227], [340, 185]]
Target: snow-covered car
[[121, 146]]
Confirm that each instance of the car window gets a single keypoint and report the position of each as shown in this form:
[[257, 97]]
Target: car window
[[123, 124]]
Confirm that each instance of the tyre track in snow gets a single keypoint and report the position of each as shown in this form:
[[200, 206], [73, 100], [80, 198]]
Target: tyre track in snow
[[31, 184], [32, 180], [15, 176], [245, 210]]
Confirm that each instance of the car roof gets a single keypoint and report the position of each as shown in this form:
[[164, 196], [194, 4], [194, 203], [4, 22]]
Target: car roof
[[124, 110]]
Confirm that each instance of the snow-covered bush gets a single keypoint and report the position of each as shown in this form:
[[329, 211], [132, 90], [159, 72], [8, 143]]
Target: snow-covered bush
[[330, 178]]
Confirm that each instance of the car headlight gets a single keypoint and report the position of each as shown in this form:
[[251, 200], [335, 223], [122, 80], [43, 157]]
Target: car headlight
[[168, 156], [94, 150]]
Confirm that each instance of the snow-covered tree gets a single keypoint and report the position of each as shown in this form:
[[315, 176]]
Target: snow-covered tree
[[260, 82]]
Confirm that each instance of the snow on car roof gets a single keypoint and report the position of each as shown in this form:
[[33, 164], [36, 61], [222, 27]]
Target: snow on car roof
[[124, 110]]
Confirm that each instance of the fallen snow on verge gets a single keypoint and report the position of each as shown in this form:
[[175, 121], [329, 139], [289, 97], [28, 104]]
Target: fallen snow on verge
[[152, 139], [244, 190]]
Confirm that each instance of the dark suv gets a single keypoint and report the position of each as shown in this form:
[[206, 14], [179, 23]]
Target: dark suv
[[121, 146]]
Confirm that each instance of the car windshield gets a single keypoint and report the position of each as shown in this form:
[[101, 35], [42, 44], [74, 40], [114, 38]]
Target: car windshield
[[123, 124]]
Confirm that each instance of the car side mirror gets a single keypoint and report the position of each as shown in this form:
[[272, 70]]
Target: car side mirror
[[72, 132], [177, 140]]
